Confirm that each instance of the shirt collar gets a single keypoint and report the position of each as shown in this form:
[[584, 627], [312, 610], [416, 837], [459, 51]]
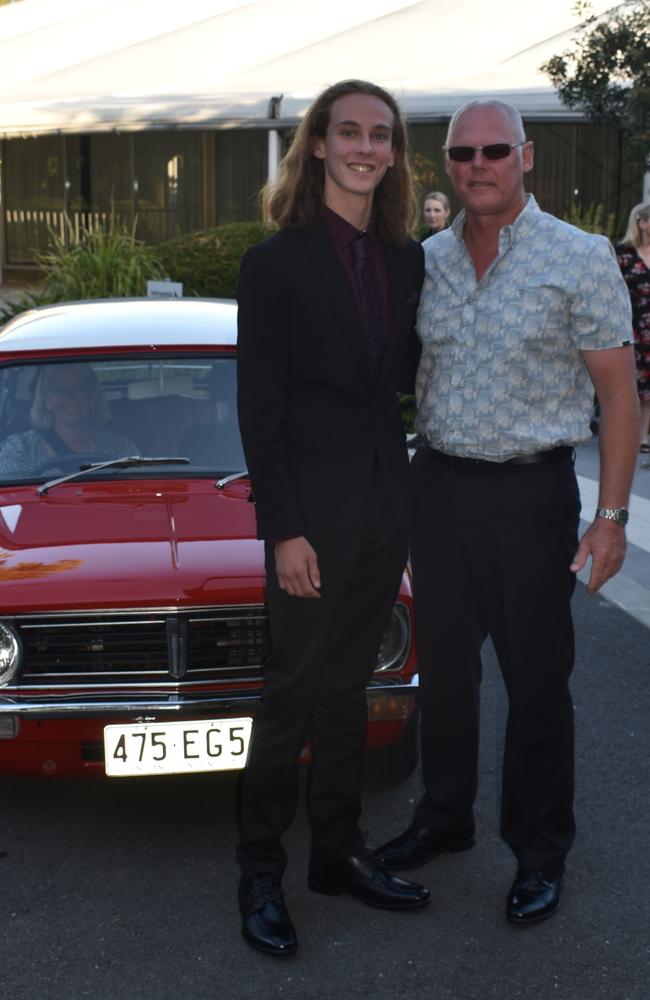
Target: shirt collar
[[342, 232], [525, 221]]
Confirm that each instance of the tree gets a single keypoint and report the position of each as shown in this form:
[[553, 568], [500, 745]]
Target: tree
[[606, 74]]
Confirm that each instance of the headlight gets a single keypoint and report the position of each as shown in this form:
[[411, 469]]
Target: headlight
[[9, 653], [397, 640]]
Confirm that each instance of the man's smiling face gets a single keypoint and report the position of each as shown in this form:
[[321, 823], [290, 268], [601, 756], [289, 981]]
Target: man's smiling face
[[489, 187], [356, 151]]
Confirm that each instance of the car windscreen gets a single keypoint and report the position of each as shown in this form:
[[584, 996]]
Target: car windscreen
[[59, 416]]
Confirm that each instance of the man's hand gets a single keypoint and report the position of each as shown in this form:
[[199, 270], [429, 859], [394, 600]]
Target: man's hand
[[605, 542], [296, 566]]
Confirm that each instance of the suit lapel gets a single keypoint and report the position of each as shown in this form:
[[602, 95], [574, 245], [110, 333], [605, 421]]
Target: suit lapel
[[338, 287]]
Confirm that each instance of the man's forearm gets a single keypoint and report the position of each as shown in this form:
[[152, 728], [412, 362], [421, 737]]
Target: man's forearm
[[618, 445], [613, 375]]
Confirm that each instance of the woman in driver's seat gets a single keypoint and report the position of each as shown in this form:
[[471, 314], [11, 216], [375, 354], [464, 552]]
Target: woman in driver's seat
[[68, 415]]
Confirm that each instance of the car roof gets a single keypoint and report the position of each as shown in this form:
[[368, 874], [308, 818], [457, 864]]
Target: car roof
[[123, 323]]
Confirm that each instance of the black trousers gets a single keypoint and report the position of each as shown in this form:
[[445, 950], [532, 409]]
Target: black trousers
[[491, 555], [324, 652]]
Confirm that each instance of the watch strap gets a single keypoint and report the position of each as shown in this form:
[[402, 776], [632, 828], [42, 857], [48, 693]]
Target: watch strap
[[618, 514]]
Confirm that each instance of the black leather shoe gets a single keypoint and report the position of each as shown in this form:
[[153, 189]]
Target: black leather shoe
[[417, 845], [534, 895], [266, 924], [362, 877]]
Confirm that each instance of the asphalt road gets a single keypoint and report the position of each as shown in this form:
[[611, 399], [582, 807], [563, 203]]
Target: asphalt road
[[127, 889]]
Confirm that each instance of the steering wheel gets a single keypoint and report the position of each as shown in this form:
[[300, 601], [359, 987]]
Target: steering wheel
[[62, 462]]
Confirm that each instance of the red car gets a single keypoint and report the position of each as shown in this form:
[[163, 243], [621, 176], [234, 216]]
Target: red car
[[133, 630]]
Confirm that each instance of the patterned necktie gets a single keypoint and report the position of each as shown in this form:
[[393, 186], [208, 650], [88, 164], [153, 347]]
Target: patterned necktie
[[370, 301]]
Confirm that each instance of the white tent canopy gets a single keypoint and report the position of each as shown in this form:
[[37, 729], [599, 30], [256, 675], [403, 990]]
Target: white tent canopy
[[89, 65]]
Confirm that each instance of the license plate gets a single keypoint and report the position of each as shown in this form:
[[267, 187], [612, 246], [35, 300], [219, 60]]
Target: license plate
[[177, 747]]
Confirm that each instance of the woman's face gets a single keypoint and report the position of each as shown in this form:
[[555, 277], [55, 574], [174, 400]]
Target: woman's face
[[644, 229], [69, 397], [435, 214]]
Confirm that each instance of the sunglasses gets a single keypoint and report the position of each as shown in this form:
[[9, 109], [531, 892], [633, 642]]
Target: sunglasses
[[496, 151]]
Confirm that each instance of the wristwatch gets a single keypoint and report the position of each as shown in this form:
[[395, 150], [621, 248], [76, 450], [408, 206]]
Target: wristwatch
[[619, 514]]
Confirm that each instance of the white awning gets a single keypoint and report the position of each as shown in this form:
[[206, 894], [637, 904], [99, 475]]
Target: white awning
[[97, 65]]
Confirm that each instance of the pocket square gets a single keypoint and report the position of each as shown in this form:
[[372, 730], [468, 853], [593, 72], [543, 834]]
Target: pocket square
[[413, 298]]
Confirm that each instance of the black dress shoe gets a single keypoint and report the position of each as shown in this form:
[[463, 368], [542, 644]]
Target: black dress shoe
[[534, 895], [266, 924], [417, 845], [362, 877]]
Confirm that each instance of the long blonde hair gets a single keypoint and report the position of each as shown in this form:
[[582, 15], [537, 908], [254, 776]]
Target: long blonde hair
[[639, 213], [294, 200]]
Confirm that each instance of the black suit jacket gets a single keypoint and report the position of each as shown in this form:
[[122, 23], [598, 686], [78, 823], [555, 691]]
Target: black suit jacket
[[312, 419]]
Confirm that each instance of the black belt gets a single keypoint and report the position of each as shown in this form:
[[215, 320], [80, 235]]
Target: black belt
[[561, 454]]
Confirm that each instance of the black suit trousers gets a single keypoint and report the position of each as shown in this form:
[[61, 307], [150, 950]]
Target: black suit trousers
[[491, 555], [324, 652]]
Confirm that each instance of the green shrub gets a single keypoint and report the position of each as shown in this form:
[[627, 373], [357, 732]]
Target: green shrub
[[407, 406], [112, 263], [207, 262], [97, 264], [28, 300], [592, 220], [89, 264]]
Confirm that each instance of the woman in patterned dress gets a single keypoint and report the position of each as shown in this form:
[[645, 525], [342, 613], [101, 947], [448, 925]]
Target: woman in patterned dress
[[634, 260]]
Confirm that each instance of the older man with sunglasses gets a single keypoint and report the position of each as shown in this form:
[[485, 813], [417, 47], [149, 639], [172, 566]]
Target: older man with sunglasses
[[521, 317]]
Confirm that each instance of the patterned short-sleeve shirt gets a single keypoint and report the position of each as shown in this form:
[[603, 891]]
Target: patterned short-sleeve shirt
[[501, 372]]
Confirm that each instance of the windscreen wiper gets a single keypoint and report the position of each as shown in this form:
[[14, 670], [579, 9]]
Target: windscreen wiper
[[222, 483], [114, 463]]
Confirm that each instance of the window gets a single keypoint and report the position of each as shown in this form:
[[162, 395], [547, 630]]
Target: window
[[168, 184], [241, 166], [57, 417]]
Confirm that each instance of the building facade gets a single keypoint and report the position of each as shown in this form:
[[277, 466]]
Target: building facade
[[172, 181]]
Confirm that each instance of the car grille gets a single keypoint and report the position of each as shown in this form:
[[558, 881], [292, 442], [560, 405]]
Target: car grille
[[224, 644]]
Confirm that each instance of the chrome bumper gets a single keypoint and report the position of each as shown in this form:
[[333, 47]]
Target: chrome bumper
[[232, 702]]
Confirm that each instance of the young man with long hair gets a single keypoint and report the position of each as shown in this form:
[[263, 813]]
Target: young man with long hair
[[326, 323]]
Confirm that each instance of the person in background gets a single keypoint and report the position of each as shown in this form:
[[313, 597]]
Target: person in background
[[326, 321], [521, 317], [634, 261], [436, 213], [68, 416]]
